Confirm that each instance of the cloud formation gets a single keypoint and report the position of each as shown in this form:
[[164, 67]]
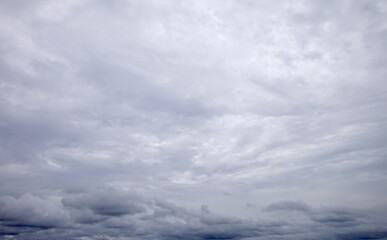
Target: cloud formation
[[88, 214], [193, 120]]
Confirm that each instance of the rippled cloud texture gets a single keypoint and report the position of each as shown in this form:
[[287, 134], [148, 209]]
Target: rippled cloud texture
[[193, 119]]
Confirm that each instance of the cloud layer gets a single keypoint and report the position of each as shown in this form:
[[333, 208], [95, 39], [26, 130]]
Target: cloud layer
[[193, 120]]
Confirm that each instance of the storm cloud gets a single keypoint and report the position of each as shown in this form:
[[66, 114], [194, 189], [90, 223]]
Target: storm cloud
[[193, 119]]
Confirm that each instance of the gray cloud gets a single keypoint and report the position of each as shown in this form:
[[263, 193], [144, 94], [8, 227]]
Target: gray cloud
[[103, 210], [31, 213], [104, 202], [199, 120], [288, 206]]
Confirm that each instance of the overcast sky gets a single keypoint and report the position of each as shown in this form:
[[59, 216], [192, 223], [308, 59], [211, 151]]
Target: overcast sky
[[163, 120]]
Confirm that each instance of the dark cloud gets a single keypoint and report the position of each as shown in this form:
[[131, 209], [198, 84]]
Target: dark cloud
[[103, 202], [29, 214], [107, 211], [335, 217], [375, 234]]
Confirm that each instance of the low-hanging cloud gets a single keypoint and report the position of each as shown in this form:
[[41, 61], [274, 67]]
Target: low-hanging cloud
[[88, 214]]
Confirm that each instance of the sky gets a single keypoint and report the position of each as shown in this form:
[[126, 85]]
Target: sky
[[172, 120]]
